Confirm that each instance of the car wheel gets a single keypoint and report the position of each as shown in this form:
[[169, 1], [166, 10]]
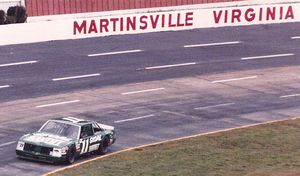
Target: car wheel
[[103, 148], [71, 156]]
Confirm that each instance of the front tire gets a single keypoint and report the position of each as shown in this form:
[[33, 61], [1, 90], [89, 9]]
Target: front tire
[[70, 156]]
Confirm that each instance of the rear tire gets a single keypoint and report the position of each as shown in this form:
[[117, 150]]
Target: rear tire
[[103, 148]]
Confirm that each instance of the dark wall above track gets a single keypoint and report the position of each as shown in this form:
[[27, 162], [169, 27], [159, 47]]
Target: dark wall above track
[[54, 7]]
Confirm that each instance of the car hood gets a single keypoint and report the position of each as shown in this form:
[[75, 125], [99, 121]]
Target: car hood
[[47, 140]]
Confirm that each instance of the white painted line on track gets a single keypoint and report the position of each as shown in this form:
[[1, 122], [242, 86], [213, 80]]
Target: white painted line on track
[[214, 106], [142, 91], [166, 141], [234, 79], [18, 63], [170, 66], [268, 56], [7, 143], [296, 37], [289, 96], [5, 86], [76, 77], [181, 114], [115, 53], [133, 119], [212, 44], [57, 104]]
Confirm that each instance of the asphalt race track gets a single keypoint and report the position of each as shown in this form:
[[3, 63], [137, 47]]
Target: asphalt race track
[[151, 87]]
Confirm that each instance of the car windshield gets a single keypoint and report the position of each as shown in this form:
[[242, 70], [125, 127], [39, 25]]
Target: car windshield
[[61, 129]]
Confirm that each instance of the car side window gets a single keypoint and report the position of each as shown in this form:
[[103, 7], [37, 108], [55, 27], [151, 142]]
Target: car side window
[[86, 131], [96, 127]]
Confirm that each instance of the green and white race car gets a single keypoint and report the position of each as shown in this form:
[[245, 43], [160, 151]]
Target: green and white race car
[[64, 139]]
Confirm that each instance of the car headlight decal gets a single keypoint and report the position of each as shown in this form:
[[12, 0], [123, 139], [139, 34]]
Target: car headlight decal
[[20, 145], [64, 150], [58, 152]]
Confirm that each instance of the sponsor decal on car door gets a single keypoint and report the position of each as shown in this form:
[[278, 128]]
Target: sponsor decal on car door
[[84, 145]]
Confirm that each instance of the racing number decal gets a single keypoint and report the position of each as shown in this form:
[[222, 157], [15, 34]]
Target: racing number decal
[[85, 145], [90, 144]]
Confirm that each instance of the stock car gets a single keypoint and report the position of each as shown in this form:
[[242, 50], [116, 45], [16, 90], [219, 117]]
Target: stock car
[[64, 139]]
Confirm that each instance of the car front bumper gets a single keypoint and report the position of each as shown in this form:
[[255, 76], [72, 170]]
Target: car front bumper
[[40, 157]]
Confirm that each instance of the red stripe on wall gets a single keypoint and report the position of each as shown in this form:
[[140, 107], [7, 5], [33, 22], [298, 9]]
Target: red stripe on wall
[[78, 6], [55, 7], [138, 4], [94, 5], [28, 4], [88, 4], [110, 5], [51, 7], [99, 5], [147, 3], [104, 5], [68, 6], [73, 6], [121, 5]]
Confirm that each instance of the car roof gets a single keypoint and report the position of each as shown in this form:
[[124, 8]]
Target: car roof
[[73, 120]]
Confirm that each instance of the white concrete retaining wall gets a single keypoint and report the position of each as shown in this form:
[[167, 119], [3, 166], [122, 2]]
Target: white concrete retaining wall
[[138, 21]]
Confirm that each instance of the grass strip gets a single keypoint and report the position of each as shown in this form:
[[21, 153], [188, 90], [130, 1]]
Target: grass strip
[[270, 149]]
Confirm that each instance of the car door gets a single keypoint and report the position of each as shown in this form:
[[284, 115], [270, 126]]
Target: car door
[[85, 135]]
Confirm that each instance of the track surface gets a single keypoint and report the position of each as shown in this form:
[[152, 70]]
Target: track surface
[[152, 87]]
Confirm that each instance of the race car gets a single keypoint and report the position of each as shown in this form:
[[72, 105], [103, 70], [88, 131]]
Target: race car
[[65, 139]]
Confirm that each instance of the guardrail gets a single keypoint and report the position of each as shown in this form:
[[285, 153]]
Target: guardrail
[[5, 4], [54, 7]]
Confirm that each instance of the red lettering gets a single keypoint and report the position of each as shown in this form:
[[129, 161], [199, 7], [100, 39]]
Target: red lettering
[[131, 23], [290, 13], [236, 15], [163, 19], [281, 13], [114, 20], [189, 19], [121, 24], [260, 14], [170, 21], [178, 20], [217, 17], [271, 13], [143, 22], [79, 28], [154, 22], [93, 27], [104, 25], [249, 15]]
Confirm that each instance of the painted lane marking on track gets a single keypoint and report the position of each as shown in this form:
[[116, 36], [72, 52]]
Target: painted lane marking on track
[[166, 141], [57, 104], [7, 143], [268, 56], [142, 91], [212, 44], [18, 63], [181, 114], [169, 66], [289, 96], [133, 119], [214, 106], [75, 77], [296, 37], [115, 53], [234, 79], [5, 86]]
